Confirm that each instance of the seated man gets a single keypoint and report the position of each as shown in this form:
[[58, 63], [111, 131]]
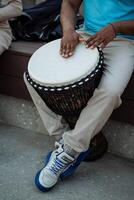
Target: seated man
[[110, 25], [8, 9]]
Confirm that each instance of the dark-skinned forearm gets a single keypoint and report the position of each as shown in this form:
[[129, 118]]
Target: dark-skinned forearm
[[68, 16], [125, 27]]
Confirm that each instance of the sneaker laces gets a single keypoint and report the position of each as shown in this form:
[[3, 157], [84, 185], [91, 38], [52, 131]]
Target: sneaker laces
[[57, 166]]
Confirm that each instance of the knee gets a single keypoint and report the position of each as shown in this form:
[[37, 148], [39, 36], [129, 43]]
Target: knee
[[112, 95], [5, 39], [2, 49], [112, 92]]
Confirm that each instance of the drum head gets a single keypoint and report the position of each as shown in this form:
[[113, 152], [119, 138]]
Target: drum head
[[47, 67]]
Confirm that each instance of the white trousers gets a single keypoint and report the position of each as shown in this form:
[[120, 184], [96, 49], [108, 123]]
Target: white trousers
[[5, 39], [119, 65]]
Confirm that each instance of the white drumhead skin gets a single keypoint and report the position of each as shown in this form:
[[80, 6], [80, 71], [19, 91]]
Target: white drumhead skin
[[47, 67]]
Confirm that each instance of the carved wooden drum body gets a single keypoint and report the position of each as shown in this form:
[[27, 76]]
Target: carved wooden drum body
[[65, 84]]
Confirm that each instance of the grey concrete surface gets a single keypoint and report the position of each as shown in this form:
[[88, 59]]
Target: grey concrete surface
[[22, 153], [22, 113], [120, 138]]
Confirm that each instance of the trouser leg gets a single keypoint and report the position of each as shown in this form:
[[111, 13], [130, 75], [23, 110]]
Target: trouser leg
[[54, 123], [5, 40], [119, 65]]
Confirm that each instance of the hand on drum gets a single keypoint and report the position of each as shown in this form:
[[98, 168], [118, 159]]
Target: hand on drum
[[69, 43], [102, 37]]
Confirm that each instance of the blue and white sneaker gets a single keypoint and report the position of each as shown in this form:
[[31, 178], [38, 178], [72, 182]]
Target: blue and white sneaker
[[47, 177], [58, 165]]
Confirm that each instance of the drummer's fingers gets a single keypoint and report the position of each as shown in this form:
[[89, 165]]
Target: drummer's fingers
[[63, 49], [96, 43], [72, 50], [103, 45], [68, 50], [89, 41], [63, 46], [92, 42]]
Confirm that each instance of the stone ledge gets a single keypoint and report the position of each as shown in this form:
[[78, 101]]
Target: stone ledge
[[120, 137], [14, 62], [22, 113]]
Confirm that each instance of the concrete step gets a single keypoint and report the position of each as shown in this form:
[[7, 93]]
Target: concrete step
[[22, 113], [22, 153]]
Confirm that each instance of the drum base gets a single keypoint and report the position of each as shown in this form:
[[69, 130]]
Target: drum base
[[98, 146]]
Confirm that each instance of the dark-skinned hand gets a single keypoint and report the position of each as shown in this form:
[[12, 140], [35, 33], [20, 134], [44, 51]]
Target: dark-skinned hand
[[69, 43], [101, 38], [72, 38]]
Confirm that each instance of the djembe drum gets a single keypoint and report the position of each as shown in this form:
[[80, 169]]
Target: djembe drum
[[65, 85]]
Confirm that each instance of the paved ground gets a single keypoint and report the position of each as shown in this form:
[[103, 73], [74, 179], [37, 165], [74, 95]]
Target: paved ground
[[21, 155]]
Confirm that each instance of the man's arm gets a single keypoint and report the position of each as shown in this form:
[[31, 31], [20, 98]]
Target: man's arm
[[13, 9], [125, 27], [70, 37], [109, 32], [68, 14]]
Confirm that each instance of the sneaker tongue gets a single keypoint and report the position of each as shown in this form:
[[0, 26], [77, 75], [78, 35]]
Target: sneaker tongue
[[65, 158], [62, 155]]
